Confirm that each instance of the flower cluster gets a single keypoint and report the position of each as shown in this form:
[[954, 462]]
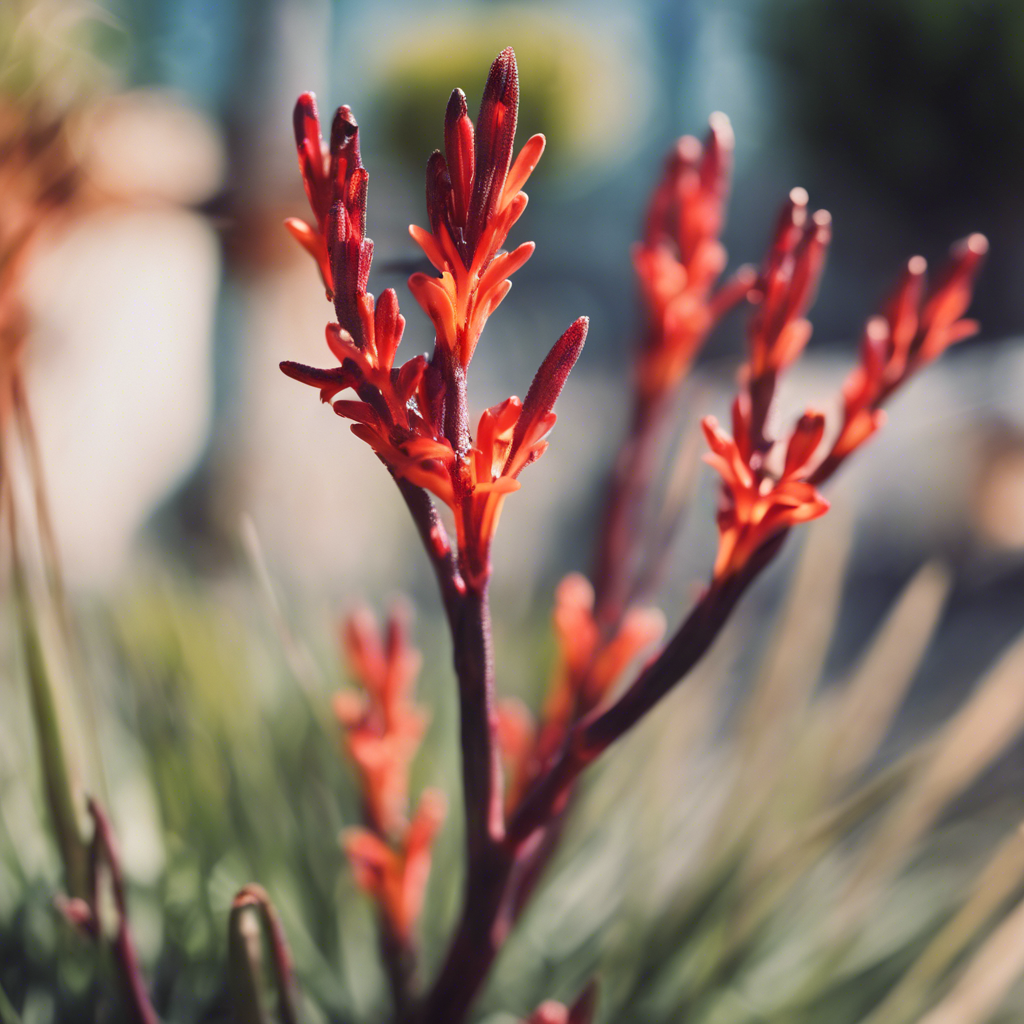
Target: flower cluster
[[415, 416], [681, 259], [757, 502], [474, 196], [382, 729], [590, 662], [915, 327], [382, 726], [396, 876], [762, 499], [756, 505]]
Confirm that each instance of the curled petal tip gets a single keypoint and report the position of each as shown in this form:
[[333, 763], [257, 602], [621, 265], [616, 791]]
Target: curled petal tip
[[822, 219], [343, 128], [798, 196], [721, 128], [917, 265]]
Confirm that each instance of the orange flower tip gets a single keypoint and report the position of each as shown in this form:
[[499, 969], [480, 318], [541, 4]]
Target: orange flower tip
[[917, 266], [549, 1012], [688, 149], [710, 426], [976, 244], [877, 329], [721, 127]]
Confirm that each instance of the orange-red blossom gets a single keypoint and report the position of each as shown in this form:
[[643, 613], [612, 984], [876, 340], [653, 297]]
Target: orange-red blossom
[[396, 875], [382, 730], [681, 259], [474, 196], [382, 727], [756, 506], [914, 328], [590, 663]]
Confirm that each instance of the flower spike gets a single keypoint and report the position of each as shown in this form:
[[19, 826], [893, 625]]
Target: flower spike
[[473, 198], [681, 258], [383, 727], [755, 506], [915, 327], [415, 415]]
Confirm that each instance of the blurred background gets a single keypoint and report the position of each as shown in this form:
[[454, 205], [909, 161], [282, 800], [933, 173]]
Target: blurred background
[[179, 292], [163, 301]]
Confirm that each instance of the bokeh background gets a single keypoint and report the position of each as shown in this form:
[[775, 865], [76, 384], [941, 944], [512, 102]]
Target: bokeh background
[[903, 119], [174, 447]]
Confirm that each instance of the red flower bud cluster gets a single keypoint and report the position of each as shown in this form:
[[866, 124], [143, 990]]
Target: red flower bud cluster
[[914, 328], [382, 731], [474, 196], [761, 499], [414, 416], [681, 259]]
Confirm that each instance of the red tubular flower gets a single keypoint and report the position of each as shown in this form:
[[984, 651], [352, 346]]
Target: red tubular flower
[[473, 198], [396, 876], [755, 505], [383, 727], [681, 258], [336, 184], [590, 664], [913, 330], [510, 436], [581, 1011], [366, 337]]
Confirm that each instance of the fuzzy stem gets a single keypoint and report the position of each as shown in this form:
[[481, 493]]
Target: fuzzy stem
[[619, 534], [437, 546], [481, 763]]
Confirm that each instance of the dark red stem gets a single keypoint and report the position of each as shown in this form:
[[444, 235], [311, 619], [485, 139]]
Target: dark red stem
[[140, 1009], [618, 541], [481, 762], [481, 931]]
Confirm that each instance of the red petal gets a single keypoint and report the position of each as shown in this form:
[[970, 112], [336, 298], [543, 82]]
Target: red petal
[[495, 135], [458, 148]]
